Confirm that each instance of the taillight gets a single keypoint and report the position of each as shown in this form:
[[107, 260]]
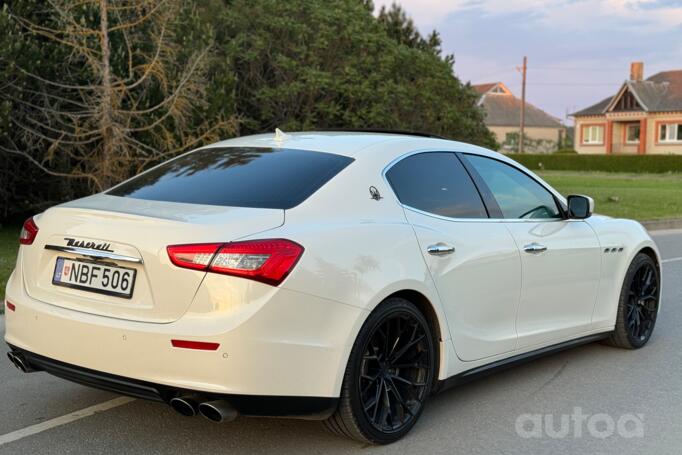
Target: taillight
[[10, 305], [196, 257], [28, 232], [268, 261]]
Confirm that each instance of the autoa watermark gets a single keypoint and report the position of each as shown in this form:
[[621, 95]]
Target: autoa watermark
[[579, 424]]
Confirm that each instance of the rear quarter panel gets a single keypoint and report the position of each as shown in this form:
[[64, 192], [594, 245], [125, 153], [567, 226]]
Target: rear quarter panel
[[358, 250]]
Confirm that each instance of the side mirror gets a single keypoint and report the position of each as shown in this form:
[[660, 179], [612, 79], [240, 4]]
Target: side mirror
[[580, 207]]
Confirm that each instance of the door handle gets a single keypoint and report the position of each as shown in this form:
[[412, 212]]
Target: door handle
[[440, 249], [534, 248]]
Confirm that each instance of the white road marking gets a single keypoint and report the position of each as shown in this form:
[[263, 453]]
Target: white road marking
[[664, 261], [63, 420]]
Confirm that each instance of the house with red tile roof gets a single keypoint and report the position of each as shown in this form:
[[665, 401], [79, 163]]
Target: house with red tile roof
[[543, 132], [643, 117]]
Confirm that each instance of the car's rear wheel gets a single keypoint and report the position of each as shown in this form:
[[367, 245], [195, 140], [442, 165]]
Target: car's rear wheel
[[638, 305], [389, 375]]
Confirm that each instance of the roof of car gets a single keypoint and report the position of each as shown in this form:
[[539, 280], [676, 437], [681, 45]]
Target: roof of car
[[348, 143]]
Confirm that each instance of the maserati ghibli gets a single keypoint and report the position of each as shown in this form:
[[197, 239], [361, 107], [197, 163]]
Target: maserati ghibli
[[339, 276]]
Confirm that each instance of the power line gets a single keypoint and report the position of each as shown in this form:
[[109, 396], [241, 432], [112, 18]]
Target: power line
[[578, 84], [550, 68], [565, 68], [498, 73]]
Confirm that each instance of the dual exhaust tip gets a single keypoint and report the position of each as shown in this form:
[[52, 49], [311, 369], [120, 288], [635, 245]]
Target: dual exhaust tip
[[19, 362], [216, 411], [189, 405]]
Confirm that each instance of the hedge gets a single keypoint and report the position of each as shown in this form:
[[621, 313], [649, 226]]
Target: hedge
[[656, 164]]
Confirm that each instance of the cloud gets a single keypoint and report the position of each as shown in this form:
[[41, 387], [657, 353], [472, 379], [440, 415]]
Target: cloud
[[642, 15], [579, 50]]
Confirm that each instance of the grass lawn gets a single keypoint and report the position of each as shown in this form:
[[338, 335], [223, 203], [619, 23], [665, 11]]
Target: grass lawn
[[637, 196], [9, 244]]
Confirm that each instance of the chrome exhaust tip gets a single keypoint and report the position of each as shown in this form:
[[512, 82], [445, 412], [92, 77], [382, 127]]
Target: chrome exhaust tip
[[19, 362], [186, 406], [10, 356], [218, 411]]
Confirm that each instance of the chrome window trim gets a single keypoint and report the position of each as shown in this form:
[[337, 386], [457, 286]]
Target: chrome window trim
[[471, 220], [486, 220]]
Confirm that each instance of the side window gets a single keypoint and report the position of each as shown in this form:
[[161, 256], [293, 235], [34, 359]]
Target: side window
[[436, 183], [518, 195]]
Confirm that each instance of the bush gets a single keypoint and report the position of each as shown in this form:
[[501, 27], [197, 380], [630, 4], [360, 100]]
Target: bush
[[636, 164], [566, 152]]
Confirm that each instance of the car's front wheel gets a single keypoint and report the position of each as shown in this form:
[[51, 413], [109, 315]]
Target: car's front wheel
[[638, 305], [389, 375]]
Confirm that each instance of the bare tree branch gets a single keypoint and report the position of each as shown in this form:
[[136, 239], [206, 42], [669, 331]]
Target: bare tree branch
[[76, 175], [127, 96], [140, 20]]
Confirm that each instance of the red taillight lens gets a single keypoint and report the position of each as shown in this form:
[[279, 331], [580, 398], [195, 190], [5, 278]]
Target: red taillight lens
[[28, 232], [268, 261], [10, 305], [196, 257]]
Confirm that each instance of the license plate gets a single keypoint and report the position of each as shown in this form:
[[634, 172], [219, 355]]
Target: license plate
[[94, 277]]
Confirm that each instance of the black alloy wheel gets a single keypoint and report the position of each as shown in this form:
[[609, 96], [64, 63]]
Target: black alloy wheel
[[642, 303], [638, 306], [394, 372], [389, 375]]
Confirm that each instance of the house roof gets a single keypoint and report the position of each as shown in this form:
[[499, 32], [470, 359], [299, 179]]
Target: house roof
[[661, 92], [671, 98], [484, 88], [504, 109], [497, 88]]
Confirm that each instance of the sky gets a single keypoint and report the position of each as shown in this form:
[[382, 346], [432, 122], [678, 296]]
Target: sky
[[579, 51]]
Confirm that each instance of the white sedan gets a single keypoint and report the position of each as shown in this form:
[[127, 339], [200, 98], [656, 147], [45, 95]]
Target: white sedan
[[337, 276]]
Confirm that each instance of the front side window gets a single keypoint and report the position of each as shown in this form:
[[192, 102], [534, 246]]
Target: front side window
[[632, 134], [517, 194], [237, 176], [670, 132], [593, 134], [436, 183]]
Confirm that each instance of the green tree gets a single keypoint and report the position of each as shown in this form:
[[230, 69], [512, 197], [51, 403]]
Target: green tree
[[125, 86], [304, 64], [23, 185], [401, 28], [94, 91]]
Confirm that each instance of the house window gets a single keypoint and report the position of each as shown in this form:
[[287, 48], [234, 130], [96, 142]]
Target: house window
[[670, 132], [632, 134], [593, 134]]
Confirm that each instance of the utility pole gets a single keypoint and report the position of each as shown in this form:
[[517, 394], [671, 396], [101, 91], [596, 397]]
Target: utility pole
[[522, 134]]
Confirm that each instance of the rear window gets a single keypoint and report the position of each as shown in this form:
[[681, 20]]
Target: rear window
[[238, 177]]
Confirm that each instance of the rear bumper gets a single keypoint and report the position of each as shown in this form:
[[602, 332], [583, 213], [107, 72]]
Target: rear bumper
[[249, 405], [294, 345]]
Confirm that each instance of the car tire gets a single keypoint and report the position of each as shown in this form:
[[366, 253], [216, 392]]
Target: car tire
[[638, 304], [389, 375]]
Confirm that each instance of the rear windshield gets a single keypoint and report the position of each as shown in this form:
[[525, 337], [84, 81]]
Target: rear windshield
[[238, 177]]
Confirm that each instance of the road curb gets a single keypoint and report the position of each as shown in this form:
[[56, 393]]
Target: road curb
[[658, 225]]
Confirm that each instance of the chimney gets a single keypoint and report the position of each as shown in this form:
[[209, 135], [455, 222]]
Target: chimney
[[637, 71]]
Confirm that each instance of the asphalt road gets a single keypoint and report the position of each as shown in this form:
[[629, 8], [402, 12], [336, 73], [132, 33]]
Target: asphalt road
[[630, 402]]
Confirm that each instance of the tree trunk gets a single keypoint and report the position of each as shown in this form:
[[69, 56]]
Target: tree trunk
[[107, 107]]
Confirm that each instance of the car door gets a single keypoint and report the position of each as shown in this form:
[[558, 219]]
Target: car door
[[561, 258], [474, 262]]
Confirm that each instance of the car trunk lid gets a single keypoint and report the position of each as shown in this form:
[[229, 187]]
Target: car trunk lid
[[132, 233]]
